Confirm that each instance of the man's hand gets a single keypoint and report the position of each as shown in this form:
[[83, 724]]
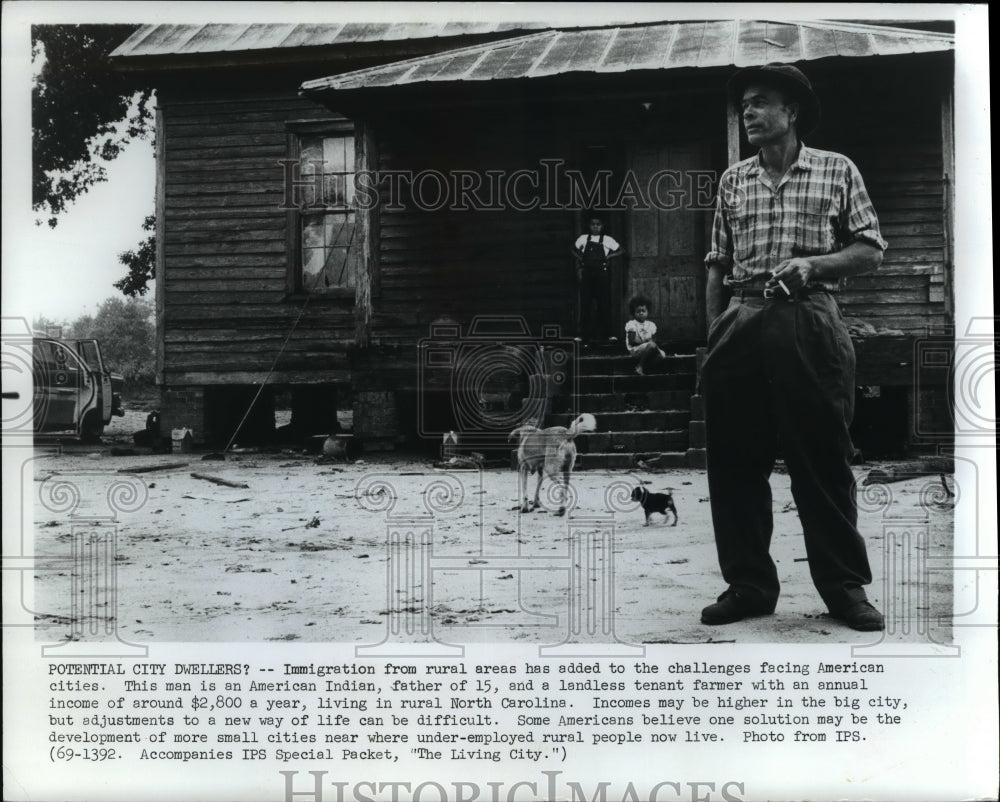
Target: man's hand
[[793, 273], [714, 294], [858, 257]]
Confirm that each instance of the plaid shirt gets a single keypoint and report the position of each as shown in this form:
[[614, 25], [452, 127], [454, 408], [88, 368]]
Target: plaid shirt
[[819, 206]]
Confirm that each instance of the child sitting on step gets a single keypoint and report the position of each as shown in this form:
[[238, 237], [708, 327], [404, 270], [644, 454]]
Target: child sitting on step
[[639, 334]]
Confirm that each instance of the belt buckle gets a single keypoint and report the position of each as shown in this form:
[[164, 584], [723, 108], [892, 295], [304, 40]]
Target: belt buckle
[[770, 293]]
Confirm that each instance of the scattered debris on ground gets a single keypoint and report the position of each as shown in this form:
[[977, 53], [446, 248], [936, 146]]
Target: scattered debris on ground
[[166, 466], [218, 480], [911, 469]]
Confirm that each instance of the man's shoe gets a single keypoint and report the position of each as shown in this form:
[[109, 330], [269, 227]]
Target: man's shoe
[[862, 617], [732, 607]]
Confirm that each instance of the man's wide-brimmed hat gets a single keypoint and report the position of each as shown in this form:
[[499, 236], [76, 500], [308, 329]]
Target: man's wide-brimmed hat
[[787, 78]]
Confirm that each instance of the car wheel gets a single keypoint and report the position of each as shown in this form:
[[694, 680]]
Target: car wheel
[[92, 427]]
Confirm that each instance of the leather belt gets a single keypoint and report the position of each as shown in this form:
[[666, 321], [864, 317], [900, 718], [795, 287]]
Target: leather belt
[[761, 293]]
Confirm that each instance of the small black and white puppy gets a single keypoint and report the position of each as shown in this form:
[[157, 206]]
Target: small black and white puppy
[[655, 502]]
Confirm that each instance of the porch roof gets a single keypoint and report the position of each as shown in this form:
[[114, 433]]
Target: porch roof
[[180, 40], [651, 46]]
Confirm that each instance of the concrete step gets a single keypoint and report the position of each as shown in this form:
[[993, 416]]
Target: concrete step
[[616, 348], [638, 417], [596, 403], [696, 458], [631, 383], [622, 364], [631, 421], [633, 442], [613, 460]]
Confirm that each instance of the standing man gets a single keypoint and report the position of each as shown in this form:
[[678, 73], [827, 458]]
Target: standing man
[[791, 221]]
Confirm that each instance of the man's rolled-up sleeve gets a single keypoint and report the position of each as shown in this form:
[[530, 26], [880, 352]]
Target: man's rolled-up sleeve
[[721, 249], [858, 220]]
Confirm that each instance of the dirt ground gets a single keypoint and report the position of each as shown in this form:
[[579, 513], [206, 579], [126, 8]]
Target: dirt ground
[[300, 553]]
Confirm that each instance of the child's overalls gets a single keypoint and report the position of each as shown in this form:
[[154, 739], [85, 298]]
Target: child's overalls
[[595, 287]]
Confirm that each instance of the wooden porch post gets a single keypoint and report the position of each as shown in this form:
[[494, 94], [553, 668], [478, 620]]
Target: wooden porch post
[[365, 160], [732, 133], [159, 260], [948, 181]]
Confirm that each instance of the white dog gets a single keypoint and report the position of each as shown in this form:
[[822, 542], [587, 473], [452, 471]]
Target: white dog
[[549, 452]]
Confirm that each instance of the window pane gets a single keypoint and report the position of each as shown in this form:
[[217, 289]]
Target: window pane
[[340, 229], [313, 260], [333, 152], [310, 149], [333, 191], [313, 234], [329, 254], [349, 170], [338, 156], [88, 352]]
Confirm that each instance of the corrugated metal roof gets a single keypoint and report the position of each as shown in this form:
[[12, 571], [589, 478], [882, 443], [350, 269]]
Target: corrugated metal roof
[[654, 46], [174, 40]]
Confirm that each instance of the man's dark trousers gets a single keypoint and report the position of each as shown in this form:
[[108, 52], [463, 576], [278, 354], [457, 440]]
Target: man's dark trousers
[[779, 374]]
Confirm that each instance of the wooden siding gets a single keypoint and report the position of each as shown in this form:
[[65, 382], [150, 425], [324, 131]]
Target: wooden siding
[[906, 186], [459, 264], [227, 312], [889, 123]]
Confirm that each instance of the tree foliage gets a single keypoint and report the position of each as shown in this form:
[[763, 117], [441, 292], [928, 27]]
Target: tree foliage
[[125, 329], [141, 263], [127, 334], [83, 111], [49, 327]]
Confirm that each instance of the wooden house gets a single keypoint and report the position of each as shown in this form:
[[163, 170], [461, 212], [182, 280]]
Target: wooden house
[[332, 198]]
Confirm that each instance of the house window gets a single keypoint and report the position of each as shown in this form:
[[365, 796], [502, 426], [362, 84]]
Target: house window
[[326, 249]]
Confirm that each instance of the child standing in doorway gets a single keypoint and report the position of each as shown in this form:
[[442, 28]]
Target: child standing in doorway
[[639, 335], [593, 253]]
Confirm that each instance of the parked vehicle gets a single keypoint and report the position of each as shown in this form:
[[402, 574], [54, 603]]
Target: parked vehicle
[[73, 388]]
